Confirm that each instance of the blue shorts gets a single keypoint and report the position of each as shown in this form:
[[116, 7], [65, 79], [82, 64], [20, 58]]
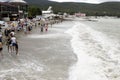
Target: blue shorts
[[13, 44]]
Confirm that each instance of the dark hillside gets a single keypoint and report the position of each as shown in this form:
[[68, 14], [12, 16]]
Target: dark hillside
[[107, 8]]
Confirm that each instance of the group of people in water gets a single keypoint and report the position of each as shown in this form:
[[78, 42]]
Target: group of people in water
[[11, 40], [8, 38], [9, 34]]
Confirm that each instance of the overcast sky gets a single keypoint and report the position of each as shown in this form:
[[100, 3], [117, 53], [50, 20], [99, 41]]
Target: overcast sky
[[86, 1]]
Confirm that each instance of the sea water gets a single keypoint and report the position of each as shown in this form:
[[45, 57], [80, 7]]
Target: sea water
[[42, 55], [97, 46], [48, 55]]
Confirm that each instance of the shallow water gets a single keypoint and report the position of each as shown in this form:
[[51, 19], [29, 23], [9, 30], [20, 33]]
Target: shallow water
[[73, 50], [42, 56]]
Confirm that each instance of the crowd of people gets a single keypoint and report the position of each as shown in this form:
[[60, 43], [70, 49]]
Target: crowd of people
[[8, 36]]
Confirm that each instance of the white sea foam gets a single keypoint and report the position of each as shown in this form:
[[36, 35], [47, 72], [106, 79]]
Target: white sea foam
[[24, 70], [44, 35], [96, 54]]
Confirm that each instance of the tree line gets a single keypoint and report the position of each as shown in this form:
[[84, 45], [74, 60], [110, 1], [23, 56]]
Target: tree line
[[103, 9]]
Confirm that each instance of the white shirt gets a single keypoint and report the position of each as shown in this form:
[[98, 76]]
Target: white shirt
[[0, 35], [13, 39]]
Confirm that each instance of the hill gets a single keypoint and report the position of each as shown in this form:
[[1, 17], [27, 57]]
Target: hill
[[107, 8]]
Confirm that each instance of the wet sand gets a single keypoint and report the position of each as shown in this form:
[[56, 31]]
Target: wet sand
[[42, 56]]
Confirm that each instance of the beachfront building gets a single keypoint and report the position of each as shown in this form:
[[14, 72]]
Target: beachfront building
[[80, 14], [13, 9], [6, 10], [48, 13], [22, 7]]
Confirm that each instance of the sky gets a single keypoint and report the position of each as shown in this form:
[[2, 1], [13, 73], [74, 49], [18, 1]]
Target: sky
[[85, 1], [10, 0]]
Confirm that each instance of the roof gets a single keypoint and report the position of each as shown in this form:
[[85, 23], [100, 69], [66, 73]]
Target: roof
[[6, 4], [21, 1], [3, 0]]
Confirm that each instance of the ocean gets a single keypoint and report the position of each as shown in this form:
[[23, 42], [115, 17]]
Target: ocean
[[76, 49], [96, 42]]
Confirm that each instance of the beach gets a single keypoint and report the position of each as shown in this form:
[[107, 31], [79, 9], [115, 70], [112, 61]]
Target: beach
[[76, 49]]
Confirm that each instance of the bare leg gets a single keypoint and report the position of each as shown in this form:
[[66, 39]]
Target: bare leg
[[11, 49], [8, 48], [1, 54], [16, 50]]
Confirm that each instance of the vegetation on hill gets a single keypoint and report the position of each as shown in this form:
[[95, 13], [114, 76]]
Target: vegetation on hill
[[103, 9]]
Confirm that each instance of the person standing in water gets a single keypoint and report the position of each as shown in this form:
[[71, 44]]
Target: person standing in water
[[16, 48], [1, 49], [46, 27], [13, 43], [42, 26], [8, 43]]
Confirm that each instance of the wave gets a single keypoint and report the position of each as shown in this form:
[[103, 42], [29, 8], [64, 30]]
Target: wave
[[98, 55]]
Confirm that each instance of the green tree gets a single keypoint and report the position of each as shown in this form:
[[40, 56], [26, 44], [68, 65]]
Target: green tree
[[33, 11]]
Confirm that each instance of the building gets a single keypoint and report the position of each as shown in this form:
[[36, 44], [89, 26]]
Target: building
[[47, 13], [7, 9], [22, 7], [13, 9], [80, 14]]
